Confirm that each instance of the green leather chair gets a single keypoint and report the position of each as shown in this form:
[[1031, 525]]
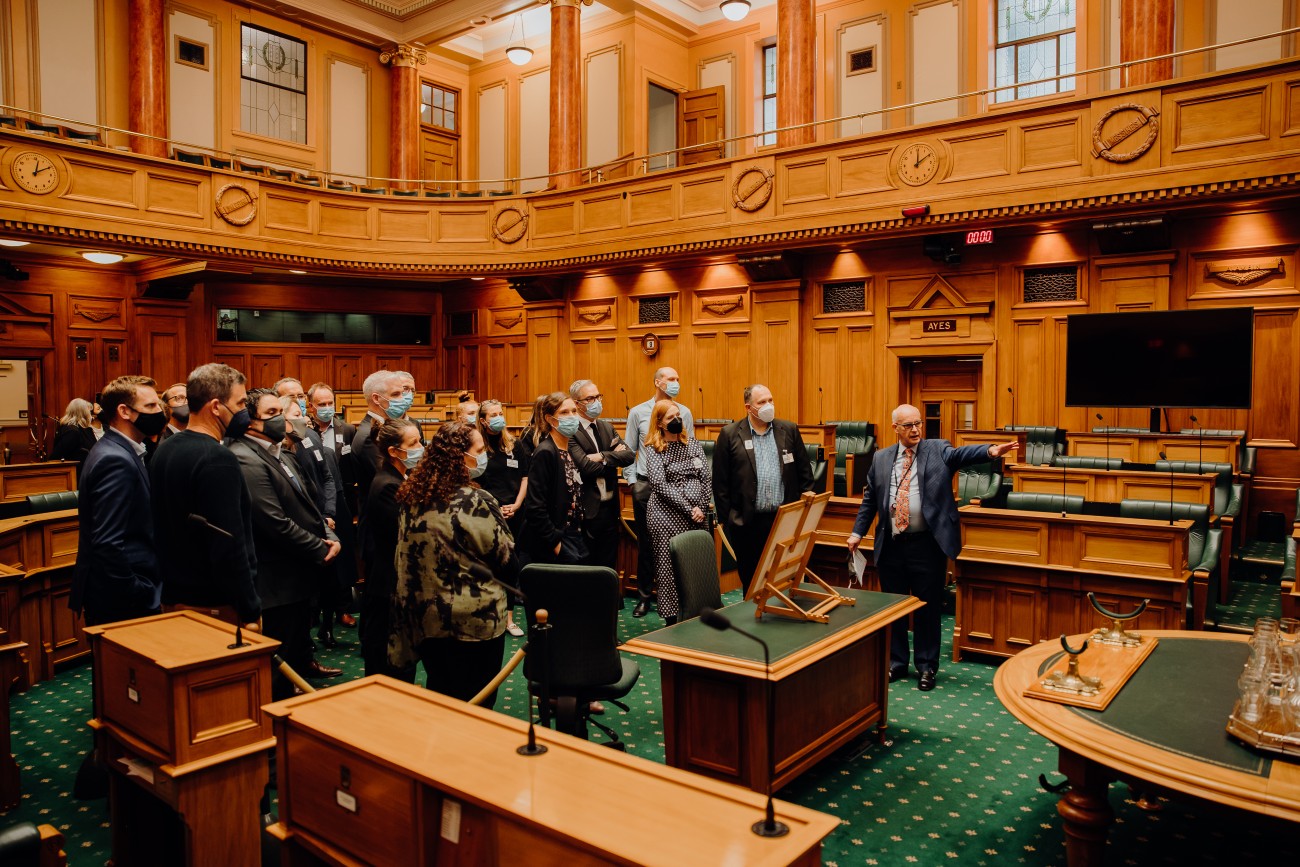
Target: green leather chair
[[218, 163], [696, 565], [978, 483], [1082, 462], [1120, 430], [1203, 545], [1071, 504], [188, 157], [1225, 508], [39, 504], [818, 461], [707, 446], [855, 444], [1043, 444]]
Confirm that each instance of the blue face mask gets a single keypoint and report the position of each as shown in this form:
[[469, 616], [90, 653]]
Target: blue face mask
[[471, 419], [413, 456], [397, 406], [594, 409], [302, 405], [568, 425], [672, 388], [497, 423], [480, 464], [325, 414]]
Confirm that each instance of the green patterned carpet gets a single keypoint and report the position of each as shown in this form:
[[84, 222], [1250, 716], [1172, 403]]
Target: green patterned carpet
[[959, 785]]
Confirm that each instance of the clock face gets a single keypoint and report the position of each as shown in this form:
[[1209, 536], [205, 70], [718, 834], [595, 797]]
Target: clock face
[[35, 173], [917, 164]]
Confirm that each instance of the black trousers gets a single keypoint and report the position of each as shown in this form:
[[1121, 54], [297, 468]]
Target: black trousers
[[374, 631], [645, 554], [290, 625], [915, 565], [601, 531], [461, 668], [748, 542]]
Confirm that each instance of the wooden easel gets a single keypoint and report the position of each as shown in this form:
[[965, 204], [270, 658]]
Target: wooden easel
[[784, 565]]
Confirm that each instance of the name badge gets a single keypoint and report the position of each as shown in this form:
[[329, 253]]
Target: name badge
[[309, 444], [577, 477], [749, 444], [346, 450], [787, 458], [319, 456], [512, 463], [699, 464]]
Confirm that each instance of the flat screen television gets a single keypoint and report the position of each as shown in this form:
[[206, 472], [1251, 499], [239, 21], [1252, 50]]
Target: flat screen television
[[1198, 359]]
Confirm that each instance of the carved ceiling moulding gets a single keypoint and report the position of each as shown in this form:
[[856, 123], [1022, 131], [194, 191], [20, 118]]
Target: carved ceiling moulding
[[1244, 273], [1083, 204]]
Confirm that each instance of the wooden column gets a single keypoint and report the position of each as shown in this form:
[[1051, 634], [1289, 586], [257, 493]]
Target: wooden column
[[147, 78], [795, 58], [566, 91], [1146, 30], [405, 61]]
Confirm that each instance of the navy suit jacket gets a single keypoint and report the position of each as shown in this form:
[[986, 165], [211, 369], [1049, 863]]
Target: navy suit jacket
[[937, 462], [116, 576]]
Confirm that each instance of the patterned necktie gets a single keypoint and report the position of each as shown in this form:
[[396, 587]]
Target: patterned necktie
[[903, 497]]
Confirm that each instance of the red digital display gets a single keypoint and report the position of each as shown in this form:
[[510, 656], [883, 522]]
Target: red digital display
[[979, 236]]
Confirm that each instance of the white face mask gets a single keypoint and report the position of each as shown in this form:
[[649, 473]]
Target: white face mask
[[767, 412]]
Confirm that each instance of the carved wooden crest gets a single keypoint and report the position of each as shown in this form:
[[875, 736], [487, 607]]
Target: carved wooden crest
[[723, 306], [596, 315], [510, 224], [1244, 273], [506, 321], [236, 205], [1103, 146], [94, 314], [752, 189]]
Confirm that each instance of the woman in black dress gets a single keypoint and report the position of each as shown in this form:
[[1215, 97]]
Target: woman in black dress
[[553, 501], [680, 488], [76, 436], [505, 478]]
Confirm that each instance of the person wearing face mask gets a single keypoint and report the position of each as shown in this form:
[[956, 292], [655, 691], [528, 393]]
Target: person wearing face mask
[[336, 435], [202, 514], [290, 535], [667, 386], [304, 444], [467, 409], [386, 398], [116, 576], [680, 492], [176, 404], [506, 477], [398, 440], [759, 464], [447, 613], [553, 502], [599, 453]]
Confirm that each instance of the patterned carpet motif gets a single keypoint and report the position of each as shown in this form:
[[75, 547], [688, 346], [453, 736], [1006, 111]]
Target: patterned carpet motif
[[958, 784]]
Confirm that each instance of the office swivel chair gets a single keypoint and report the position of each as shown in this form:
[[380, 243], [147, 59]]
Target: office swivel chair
[[695, 562]]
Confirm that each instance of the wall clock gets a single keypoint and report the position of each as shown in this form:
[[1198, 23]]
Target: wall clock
[[35, 172], [917, 164]]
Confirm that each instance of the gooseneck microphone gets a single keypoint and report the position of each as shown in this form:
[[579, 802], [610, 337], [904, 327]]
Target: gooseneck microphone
[[1171, 487], [1200, 444], [769, 827], [821, 407], [1012, 392], [1064, 470], [1106, 431], [700, 389], [626, 407]]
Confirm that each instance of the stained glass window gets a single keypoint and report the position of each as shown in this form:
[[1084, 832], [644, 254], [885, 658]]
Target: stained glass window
[[273, 84], [1035, 41]]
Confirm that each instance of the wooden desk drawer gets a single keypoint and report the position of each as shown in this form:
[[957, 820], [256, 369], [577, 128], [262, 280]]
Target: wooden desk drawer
[[383, 826]]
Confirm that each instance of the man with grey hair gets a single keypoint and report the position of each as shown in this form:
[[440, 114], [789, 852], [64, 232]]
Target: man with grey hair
[[387, 396], [598, 452], [759, 464], [910, 486], [667, 385]]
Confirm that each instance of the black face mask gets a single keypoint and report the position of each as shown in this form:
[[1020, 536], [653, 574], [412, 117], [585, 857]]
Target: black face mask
[[150, 424], [273, 428], [674, 426], [238, 424], [181, 414]]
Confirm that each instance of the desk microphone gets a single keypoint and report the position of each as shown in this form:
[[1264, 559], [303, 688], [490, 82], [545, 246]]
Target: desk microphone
[[1064, 470], [769, 827], [821, 407], [196, 518], [1171, 487], [1200, 443], [626, 409], [1013, 407], [700, 389], [1106, 431], [512, 387]]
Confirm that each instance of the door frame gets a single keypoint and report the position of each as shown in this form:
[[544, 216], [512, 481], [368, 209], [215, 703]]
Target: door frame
[[985, 351]]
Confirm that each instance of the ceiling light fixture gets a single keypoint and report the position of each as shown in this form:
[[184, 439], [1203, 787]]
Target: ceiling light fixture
[[103, 258], [734, 10], [519, 53], [296, 271], [9, 242]]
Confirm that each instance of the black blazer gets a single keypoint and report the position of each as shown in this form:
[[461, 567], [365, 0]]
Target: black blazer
[[288, 530], [72, 443], [310, 455], [546, 505], [606, 441], [365, 459], [377, 531], [346, 478], [116, 576], [735, 478]]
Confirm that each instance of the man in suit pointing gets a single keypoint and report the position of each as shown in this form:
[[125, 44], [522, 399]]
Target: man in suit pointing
[[759, 464], [910, 486]]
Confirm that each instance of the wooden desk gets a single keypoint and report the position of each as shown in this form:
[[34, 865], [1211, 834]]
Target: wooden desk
[[382, 772], [19, 481], [37, 554], [1145, 448], [1023, 577], [1167, 747], [1111, 486], [829, 686]]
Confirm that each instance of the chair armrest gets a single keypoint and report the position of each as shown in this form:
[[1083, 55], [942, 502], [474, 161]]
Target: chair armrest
[[1210, 553], [1233, 508]]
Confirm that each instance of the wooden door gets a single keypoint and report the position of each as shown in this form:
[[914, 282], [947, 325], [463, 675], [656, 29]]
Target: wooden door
[[699, 121], [438, 156], [946, 391]]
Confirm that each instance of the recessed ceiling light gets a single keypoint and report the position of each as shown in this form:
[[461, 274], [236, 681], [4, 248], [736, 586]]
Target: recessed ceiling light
[[479, 21], [9, 242], [103, 258], [476, 279], [296, 271]]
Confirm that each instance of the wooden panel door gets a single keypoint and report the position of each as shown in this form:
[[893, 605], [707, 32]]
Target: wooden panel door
[[946, 391], [161, 338], [438, 157], [699, 120]]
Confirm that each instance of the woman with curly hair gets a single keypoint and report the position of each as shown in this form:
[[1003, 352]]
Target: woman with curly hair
[[447, 613]]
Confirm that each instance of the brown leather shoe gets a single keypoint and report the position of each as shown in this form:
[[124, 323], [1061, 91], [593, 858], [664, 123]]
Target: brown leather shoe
[[346, 619], [318, 670]]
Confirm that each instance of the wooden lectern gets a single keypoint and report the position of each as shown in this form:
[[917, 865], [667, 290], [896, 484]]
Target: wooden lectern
[[178, 723]]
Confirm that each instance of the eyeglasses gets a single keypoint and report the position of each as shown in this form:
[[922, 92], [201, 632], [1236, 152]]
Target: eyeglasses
[[909, 425], [592, 399], [177, 400]]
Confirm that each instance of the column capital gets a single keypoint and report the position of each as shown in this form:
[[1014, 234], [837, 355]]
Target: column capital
[[410, 54], [576, 4]]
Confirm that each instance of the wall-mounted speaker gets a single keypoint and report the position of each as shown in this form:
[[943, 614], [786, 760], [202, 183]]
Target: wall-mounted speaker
[[1142, 235]]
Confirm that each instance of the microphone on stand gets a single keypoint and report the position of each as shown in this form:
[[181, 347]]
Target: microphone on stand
[[512, 387], [821, 406], [1171, 487], [1106, 431], [626, 408], [1200, 443], [700, 389], [1013, 407], [769, 827], [1064, 470]]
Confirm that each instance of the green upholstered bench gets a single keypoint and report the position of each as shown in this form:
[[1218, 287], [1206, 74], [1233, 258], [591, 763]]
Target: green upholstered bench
[[979, 484], [1084, 462], [1069, 503], [1203, 545]]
